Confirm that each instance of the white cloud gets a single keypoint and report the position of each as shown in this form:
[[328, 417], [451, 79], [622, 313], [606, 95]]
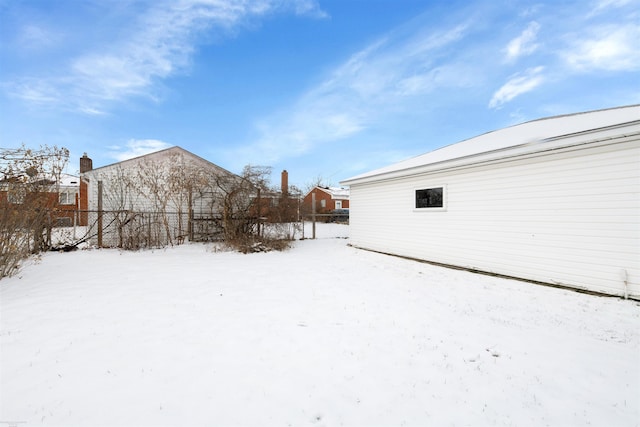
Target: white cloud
[[530, 10], [603, 5], [35, 37], [137, 147], [607, 48], [310, 8], [391, 73], [524, 44], [454, 75], [517, 85], [160, 44], [35, 91]]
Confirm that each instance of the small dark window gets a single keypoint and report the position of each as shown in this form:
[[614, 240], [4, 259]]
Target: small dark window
[[429, 198]]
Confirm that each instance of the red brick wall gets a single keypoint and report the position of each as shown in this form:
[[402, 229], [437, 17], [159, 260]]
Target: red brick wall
[[330, 204], [51, 202], [83, 203]]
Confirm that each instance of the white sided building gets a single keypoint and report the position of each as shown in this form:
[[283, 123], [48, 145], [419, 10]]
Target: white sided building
[[555, 200], [165, 195], [165, 179]]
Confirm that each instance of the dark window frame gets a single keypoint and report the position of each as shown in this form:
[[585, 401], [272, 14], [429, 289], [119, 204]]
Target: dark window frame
[[432, 198]]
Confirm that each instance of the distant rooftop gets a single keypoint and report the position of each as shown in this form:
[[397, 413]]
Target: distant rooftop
[[336, 192], [69, 180]]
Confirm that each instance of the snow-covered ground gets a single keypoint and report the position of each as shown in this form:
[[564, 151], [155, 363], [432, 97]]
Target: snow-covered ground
[[322, 334]]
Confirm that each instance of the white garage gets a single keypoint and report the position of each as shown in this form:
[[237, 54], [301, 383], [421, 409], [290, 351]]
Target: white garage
[[555, 200]]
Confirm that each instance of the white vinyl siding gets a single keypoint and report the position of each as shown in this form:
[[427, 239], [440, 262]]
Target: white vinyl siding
[[140, 199], [569, 217], [126, 198]]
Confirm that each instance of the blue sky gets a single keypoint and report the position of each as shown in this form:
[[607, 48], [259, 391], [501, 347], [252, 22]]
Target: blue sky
[[324, 89]]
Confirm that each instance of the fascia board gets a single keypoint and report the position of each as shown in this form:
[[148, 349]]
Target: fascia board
[[605, 135]]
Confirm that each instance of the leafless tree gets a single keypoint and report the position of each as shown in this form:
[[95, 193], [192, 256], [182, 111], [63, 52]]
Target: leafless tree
[[121, 194], [186, 181], [29, 187], [242, 208], [153, 203]]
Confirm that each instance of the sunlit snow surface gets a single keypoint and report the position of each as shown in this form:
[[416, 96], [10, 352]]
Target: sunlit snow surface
[[322, 334]]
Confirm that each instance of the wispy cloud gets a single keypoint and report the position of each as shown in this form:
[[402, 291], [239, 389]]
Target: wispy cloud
[[34, 91], [517, 85], [415, 67], [36, 37], [395, 70], [136, 147], [612, 48], [160, 43], [524, 44], [603, 5], [309, 8]]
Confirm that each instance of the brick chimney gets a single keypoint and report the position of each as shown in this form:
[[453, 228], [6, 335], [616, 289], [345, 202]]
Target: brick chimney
[[284, 185], [86, 164]]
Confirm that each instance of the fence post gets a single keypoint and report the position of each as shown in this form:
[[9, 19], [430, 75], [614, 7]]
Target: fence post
[[74, 218], [259, 213], [313, 215], [190, 223], [99, 214]]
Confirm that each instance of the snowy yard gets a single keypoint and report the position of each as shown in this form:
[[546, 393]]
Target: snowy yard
[[322, 334]]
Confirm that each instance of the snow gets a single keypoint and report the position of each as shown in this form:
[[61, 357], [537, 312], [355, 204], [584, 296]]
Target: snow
[[533, 133], [67, 180], [321, 334], [338, 192]]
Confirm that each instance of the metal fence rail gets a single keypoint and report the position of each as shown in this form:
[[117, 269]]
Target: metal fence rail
[[137, 230]]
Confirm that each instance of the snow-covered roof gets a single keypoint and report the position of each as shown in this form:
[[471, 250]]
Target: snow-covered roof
[[65, 180], [69, 180], [537, 135], [158, 155], [336, 192]]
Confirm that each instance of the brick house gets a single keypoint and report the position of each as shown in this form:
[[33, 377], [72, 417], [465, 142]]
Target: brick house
[[68, 199], [279, 206], [327, 199], [57, 194]]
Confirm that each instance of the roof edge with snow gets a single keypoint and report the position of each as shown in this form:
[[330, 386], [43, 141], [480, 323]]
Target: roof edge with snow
[[175, 149], [525, 138], [338, 193]]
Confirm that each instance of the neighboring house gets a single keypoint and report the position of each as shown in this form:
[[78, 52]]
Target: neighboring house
[[60, 195], [555, 200], [68, 198], [173, 188], [327, 199], [279, 206]]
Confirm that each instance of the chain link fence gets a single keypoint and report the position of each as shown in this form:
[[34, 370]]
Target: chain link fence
[[134, 230], [138, 230]]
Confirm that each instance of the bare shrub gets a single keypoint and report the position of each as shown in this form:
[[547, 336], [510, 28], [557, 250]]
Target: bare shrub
[[244, 212], [253, 244], [29, 187]]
